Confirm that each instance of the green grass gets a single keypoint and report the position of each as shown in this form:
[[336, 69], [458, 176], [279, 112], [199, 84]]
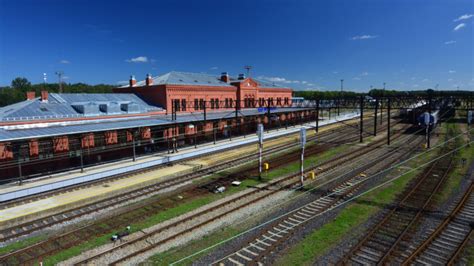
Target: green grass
[[470, 254], [21, 244], [453, 182]]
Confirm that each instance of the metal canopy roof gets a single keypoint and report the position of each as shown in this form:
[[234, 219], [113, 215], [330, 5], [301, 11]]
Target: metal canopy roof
[[104, 125], [69, 105]]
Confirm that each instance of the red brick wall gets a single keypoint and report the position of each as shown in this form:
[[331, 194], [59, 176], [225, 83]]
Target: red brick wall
[[111, 137], [5, 151], [61, 144], [34, 148]]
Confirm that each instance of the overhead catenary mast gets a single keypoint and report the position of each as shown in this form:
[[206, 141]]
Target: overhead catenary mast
[[248, 70], [60, 78]]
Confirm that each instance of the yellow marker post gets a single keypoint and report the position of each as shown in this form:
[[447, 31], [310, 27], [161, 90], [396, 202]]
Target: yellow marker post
[[266, 166], [312, 175]]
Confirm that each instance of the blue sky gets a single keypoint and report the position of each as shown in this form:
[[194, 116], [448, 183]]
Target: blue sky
[[409, 44]]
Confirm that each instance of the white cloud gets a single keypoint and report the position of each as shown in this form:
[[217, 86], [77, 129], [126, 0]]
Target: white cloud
[[278, 80], [452, 71], [450, 42], [364, 37], [459, 26], [415, 85], [450, 80], [214, 68], [364, 73], [122, 82], [140, 59], [64, 61], [335, 72], [310, 84], [464, 17], [425, 80], [304, 82], [356, 78]]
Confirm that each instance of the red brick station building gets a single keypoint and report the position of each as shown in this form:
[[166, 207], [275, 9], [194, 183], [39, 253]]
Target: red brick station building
[[53, 132], [188, 91]]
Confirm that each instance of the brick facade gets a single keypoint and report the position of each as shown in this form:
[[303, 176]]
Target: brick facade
[[190, 98]]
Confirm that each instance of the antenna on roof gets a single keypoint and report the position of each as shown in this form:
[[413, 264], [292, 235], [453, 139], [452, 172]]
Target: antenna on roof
[[60, 77], [248, 70]]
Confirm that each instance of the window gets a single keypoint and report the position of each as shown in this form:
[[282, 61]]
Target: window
[[176, 105], [183, 104], [286, 101], [231, 102], [278, 101], [201, 104], [216, 102], [212, 103], [226, 105], [196, 104]]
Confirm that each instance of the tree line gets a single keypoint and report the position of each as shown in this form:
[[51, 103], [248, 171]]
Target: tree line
[[16, 92]]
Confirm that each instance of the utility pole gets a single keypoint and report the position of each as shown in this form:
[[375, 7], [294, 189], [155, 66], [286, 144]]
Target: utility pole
[[389, 106], [317, 115], [428, 144], [303, 143], [260, 149], [375, 116], [60, 78], [361, 139], [342, 85]]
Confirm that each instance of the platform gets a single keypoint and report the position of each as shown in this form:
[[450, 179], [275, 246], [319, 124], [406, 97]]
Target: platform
[[42, 184]]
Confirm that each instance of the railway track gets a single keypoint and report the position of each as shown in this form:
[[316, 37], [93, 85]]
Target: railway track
[[149, 240], [63, 241], [256, 250], [386, 241], [444, 245]]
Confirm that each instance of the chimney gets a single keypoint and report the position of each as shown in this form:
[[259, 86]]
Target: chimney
[[225, 77], [132, 81], [241, 76], [44, 96], [30, 95], [149, 80]]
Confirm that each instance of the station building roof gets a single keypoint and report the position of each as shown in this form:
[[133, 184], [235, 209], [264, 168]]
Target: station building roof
[[199, 79], [75, 105]]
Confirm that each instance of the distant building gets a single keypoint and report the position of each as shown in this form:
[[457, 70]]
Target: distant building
[[188, 91]]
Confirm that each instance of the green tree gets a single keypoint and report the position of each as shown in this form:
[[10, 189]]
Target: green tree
[[21, 83]]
